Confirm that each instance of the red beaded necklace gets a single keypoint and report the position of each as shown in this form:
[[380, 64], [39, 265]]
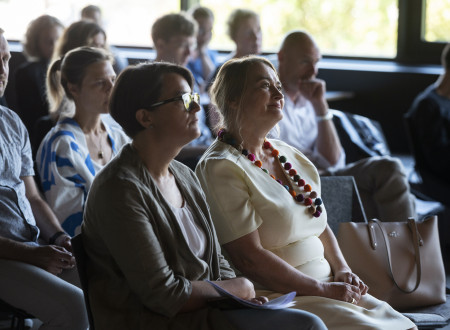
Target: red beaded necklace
[[308, 197]]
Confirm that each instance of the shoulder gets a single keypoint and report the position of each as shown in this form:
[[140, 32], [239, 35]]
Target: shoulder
[[220, 150], [9, 115], [65, 130], [11, 122], [115, 129], [426, 104]]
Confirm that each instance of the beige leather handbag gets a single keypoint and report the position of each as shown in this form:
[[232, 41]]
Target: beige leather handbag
[[401, 262]]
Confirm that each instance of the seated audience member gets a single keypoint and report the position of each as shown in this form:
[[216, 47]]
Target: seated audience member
[[203, 61], [147, 230], [78, 34], [38, 46], [244, 29], [80, 145], [94, 14], [174, 40], [34, 276], [307, 125], [264, 197], [430, 119]]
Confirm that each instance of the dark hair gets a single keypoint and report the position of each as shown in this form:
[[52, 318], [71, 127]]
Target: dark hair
[[34, 30], [78, 34], [89, 10], [71, 69], [236, 18], [136, 88], [230, 85], [172, 25], [199, 12], [445, 58]]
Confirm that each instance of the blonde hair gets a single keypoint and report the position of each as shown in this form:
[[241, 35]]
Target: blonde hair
[[70, 68], [229, 86], [34, 30]]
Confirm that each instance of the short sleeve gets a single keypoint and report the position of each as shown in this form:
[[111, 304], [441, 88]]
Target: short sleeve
[[27, 158], [65, 179], [235, 215]]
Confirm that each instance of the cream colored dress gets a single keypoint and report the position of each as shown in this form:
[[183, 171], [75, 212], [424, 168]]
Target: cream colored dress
[[243, 198]]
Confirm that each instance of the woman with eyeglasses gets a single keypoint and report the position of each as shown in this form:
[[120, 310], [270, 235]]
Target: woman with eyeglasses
[[80, 144], [147, 229]]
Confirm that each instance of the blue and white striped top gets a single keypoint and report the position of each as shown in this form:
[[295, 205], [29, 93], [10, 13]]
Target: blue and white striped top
[[66, 169]]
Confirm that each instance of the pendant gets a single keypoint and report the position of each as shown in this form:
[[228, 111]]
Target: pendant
[[100, 154]]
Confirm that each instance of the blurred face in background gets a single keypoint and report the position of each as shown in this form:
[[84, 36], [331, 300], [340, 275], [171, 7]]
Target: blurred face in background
[[47, 40], [298, 63], [205, 27], [177, 50], [99, 41], [5, 55], [248, 37]]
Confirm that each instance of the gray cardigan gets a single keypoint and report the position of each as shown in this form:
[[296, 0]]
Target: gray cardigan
[[140, 265]]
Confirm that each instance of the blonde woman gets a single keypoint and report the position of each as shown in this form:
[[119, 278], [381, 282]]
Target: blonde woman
[[80, 145]]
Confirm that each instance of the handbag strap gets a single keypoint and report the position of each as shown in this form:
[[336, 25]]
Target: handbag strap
[[416, 240]]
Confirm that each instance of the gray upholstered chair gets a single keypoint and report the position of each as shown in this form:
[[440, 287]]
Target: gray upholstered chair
[[341, 199]]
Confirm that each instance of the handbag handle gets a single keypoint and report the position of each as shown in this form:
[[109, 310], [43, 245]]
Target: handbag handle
[[416, 242]]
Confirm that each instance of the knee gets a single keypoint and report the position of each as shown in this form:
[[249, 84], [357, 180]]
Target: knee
[[315, 323], [71, 313], [389, 167]]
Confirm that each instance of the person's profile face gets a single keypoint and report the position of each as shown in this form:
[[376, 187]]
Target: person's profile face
[[301, 63], [98, 41], [205, 27], [178, 49], [262, 101], [5, 56], [248, 37], [95, 88], [172, 122], [47, 41]]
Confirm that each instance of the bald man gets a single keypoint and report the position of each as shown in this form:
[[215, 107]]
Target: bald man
[[307, 125]]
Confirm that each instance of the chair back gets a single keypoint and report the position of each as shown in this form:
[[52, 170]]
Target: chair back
[[81, 258], [341, 199]]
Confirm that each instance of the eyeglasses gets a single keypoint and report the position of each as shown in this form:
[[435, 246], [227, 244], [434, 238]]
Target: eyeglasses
[[187, 99]]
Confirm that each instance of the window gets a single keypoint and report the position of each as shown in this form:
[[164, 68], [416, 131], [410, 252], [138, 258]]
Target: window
[[437, 16], [362, 28], [126, 22]]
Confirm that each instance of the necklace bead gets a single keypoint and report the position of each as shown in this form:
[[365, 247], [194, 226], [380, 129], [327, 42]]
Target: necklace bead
[[311, 200]]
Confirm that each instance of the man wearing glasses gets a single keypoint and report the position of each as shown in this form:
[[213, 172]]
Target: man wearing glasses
[[174, 39]]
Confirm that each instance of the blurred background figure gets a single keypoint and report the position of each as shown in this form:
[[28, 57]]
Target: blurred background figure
[[429, 120], [174, 40], [203, 60], [80, 144], [78, 34], [92, 13], [244, 29], [38, 46]]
